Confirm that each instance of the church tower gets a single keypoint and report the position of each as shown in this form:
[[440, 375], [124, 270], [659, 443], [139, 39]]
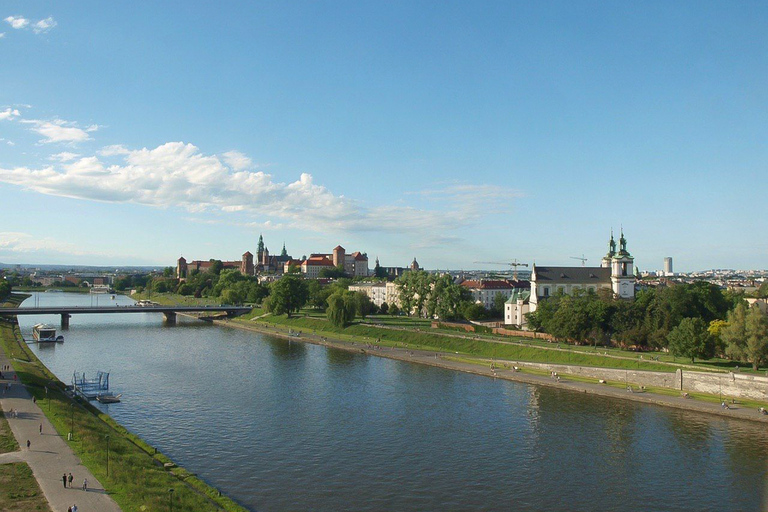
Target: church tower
[[622, 272], [611, 252]]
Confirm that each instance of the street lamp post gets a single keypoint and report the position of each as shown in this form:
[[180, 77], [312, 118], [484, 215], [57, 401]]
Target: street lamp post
[[170, 500], [72, 424]]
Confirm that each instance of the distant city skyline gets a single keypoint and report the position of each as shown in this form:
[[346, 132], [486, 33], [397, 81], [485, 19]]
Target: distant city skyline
[[132, 134]]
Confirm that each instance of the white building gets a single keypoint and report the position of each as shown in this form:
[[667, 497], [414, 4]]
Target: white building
[[616, 274], [312, 266], [484, 291], [668, 267], [516, 307], [379, 293]]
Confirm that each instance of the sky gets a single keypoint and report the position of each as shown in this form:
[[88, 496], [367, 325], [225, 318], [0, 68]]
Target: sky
[[132, 133]]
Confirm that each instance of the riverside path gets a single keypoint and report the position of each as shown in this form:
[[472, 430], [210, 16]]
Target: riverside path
[[48, 456]]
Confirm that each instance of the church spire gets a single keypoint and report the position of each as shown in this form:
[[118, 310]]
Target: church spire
[[284, 253], [260, 247]]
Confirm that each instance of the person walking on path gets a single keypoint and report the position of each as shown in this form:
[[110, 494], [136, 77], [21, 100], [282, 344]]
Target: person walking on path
[[69, 479], [41, 429], [85, 485], [64, 480], [28, 444]]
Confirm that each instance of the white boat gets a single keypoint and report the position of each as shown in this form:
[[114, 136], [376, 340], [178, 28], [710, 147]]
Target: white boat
[[108, 398], [44, 332]]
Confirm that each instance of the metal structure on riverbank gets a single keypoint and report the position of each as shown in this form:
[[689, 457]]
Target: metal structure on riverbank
[[90, 388]]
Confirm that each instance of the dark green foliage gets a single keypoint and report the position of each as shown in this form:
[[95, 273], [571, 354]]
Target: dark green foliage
[[5, 289], [341, 308], [333, 273], [288, 295], [690, 338]]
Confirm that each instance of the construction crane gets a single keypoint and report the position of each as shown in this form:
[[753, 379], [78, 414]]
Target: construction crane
[[514, 264], [583, 260]]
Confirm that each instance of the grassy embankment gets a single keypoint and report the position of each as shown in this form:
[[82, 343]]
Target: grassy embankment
[[137, 480], [417, 333]]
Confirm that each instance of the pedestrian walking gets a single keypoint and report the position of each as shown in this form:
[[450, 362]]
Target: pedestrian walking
[[85, 485], [64, 480], [69, 479], [41, 429], [28, 444], [74, 508], [69, 509]]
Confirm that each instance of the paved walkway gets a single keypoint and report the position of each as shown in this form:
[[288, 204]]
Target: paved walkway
[[49, 456]]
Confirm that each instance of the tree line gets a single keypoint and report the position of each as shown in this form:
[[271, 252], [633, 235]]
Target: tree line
[[696, 320]]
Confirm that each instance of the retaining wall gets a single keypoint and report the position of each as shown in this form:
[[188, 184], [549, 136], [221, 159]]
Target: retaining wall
[[731, 384]]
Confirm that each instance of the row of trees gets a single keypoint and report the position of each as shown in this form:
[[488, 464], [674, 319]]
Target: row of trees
[[695, 321]]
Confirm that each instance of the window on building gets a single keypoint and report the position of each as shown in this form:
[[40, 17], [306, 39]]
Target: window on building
[[546, 291]]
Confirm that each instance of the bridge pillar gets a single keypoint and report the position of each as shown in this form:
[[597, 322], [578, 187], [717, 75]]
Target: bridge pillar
[[65, 320], [170, 317]]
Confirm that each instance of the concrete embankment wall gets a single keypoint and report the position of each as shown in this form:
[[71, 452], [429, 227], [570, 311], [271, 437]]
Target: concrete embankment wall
[[669, 380], [731, 384]]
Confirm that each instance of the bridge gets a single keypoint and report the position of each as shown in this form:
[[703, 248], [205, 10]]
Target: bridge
[[168, 311]]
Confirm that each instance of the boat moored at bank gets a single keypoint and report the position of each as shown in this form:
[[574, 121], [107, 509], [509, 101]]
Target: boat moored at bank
[[45, 333]]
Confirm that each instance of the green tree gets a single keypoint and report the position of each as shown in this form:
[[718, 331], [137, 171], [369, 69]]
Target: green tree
[[497, 310], [691, 339], [384, 308], [216, 267], [333, 273], [5, 289], [169, 271], [363, 304], [341, 308], [288, 295], [746, 335]]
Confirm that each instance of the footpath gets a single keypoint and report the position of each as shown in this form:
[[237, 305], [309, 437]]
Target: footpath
[[482, 367], [48, 454]]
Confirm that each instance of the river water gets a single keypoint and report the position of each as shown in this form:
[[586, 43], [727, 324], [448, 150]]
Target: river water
[[281, 426]]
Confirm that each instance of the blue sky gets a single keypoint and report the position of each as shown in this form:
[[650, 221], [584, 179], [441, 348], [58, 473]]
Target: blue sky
[[455, 132]]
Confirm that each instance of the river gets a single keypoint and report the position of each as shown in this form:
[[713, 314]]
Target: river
[[281, 425]]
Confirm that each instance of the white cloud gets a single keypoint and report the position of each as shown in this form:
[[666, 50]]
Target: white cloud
[[9, 113], [64, 156], [2, 35], [113, 150], [58, 131], [17, 22], [179, 175], [24, 242], [237, 161], [44, 25]]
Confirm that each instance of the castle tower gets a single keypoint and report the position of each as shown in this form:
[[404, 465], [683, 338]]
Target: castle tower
[[414, 265], [622, 272], [181, 268], [246, 267], [338, 256], [265, 257]]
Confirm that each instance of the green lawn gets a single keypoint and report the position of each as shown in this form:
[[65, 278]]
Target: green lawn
[[19, 491], [7, 440]]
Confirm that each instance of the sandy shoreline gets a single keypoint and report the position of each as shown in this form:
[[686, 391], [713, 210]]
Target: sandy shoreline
[[429, 358]]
